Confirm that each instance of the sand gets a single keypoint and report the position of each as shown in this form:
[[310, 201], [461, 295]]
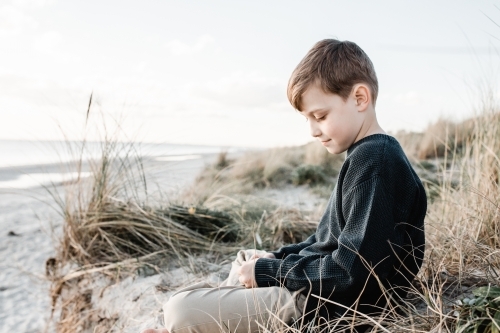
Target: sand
[[25, 224], [30, 223], [135, 303]]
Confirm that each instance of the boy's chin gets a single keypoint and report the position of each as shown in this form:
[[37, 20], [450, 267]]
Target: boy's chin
[[332, 150], [335, 150]]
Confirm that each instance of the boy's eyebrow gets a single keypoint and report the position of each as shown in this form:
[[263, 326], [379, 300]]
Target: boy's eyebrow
[[313, 111]]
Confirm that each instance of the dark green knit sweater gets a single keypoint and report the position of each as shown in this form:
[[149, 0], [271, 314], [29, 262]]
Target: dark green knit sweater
[[374, 220]]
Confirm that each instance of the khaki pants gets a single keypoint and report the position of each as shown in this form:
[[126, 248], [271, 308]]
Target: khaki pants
[[230, 307]]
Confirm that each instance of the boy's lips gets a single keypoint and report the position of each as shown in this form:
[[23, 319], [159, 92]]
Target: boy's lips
[[325, 141]]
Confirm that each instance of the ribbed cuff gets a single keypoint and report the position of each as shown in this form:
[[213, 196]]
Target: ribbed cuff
[[277, 254], [266, 270]]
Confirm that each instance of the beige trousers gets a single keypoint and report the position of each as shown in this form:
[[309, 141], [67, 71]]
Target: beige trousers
[[230, 307]]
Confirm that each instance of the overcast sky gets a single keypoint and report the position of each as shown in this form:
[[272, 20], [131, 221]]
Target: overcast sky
[[215, 72]]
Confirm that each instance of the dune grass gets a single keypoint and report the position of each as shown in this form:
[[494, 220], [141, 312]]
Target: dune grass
[[462, 225], [111, 228]]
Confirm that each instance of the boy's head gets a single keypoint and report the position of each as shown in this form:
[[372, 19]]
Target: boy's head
[[333, 87], [336, 66]]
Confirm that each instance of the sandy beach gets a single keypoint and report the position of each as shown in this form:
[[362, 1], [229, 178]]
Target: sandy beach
[[29, 221], [26, 222]]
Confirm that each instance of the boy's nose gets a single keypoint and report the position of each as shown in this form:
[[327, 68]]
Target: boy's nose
[[315, 132]]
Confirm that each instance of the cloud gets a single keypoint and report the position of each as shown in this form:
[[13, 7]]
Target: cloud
[[243, 91], [32, 4], [141, 66], [48, 42], [179, 48], [407, 99], [14, 20], [411, 98], [14, 16]]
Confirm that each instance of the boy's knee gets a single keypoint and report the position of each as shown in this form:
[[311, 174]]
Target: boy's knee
[[182, 311], [175, 312]]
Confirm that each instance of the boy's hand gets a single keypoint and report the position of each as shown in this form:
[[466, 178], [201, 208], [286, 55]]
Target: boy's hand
[[247, 275], [247, 269], [265, 255]]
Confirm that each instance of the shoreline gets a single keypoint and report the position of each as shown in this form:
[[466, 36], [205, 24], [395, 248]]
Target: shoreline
[[9, 175]]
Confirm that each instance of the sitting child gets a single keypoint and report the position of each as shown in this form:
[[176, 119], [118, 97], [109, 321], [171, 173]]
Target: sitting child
[[369, 243]]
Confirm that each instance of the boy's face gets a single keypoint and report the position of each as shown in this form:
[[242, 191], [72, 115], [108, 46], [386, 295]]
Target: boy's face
[[334, 122]]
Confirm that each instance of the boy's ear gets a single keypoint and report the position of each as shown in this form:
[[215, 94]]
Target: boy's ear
[[362, 96]]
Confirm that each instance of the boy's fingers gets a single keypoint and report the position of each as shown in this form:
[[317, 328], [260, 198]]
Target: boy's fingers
[[265, 255], [245, 282]]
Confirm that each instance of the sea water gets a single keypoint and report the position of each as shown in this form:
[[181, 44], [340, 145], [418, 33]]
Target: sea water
[[23, 164]]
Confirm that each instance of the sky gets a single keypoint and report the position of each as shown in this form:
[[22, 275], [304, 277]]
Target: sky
[[215, 72]]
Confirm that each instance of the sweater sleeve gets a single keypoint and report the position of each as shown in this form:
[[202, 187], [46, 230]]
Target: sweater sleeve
[[366, 242], [294, 248]]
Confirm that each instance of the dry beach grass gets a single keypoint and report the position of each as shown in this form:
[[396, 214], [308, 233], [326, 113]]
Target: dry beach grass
[[112, 231]]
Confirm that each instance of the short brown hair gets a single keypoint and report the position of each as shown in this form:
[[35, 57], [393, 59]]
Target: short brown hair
[[337, 66]]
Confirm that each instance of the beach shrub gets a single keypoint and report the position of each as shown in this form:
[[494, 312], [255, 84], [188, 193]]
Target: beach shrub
[[308, 174], [462, 229], [316, 154], [216, 225], [249, 168], [480, 312], [444, 137], [263, 224], [427, 165], [105, 221], [222, 161], [277, 167], [271, 167], [410, 142]]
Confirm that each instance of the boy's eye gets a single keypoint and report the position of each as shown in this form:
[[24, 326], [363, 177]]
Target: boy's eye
[[321, 118]]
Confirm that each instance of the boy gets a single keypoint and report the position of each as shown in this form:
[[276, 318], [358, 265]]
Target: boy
[[370, 240]]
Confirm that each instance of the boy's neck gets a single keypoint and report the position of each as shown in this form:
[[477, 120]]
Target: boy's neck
[[370, 126]]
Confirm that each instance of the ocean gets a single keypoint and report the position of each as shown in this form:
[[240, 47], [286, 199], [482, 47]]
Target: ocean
[[25, 164]]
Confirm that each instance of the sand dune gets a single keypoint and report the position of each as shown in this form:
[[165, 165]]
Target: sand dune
[[28, 222]]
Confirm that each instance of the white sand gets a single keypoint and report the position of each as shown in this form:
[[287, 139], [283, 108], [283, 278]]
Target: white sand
[[135, 302], [24, 298], [24, 292]]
